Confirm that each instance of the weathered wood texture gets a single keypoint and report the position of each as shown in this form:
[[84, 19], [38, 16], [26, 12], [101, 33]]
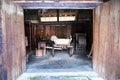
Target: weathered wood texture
[[62, 0], [61, 30], [57, 0], [58, 5], [12, 41], [0, 7], [44, 32], [107, 40]]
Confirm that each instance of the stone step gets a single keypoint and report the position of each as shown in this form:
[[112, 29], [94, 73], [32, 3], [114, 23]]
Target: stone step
[[60, 76]]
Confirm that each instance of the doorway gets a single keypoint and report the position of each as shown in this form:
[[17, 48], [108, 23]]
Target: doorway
[[41, 24]]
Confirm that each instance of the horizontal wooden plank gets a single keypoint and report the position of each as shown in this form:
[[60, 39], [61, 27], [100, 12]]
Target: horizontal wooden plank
[[56, 0], [61, 22], [62, 0], [58, 5]]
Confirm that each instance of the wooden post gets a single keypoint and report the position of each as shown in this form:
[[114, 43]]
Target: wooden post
[[30, 35], [57, 15]]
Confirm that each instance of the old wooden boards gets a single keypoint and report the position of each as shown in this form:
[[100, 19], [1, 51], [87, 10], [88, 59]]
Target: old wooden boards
[[44, 32], [12, 55], [107, 40], [59, 5]]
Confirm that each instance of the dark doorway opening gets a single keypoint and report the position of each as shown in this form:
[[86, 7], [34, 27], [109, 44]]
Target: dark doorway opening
[[41, 24]]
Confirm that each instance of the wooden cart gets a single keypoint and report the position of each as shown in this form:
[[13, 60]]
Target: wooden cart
[[61, 44]]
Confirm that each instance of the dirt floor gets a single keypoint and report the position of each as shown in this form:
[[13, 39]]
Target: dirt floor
[[60, 67]]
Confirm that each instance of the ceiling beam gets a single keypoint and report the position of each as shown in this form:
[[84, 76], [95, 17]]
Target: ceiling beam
[[58, 5], [62, 22]]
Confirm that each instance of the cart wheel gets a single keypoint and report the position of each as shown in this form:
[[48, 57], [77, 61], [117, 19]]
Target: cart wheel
[[71, 51]]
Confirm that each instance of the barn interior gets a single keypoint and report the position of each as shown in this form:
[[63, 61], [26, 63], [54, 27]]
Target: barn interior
[[42, 24], [60, 22], [91, 26]]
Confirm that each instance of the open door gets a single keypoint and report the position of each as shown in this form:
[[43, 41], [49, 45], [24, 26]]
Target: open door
[[106, 40], [12, 41]]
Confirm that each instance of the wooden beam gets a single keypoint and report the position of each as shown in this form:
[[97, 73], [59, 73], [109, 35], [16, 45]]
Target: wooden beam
[[62, 23], [39, 16], [77, 15], [58, 5], [57, 14], [30, 36]]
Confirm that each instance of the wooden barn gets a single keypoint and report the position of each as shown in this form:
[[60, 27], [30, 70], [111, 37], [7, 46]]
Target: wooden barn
[[28, 27]]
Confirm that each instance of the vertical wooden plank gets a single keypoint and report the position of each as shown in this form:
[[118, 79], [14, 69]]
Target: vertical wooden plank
[[114, 35], [22, 41], [47, 32], [15, 62], [1, 46], [118, 30], [19, 13], [117, 34], [104, 35], [96, 38], [8, 54], [13, 23], [30, 36], [3, 31], [68, 32], [111, 54], [0, 8]]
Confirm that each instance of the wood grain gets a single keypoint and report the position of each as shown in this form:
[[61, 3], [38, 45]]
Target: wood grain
[[106, 40], [12, 31]]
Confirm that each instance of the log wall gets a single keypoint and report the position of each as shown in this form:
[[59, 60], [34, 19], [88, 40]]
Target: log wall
[[12, 41], [106, 40]]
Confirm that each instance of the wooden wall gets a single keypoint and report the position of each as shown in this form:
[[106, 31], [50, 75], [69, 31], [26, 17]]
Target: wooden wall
[[60, 30], [106, 57], [12, 41], [45, 32]]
